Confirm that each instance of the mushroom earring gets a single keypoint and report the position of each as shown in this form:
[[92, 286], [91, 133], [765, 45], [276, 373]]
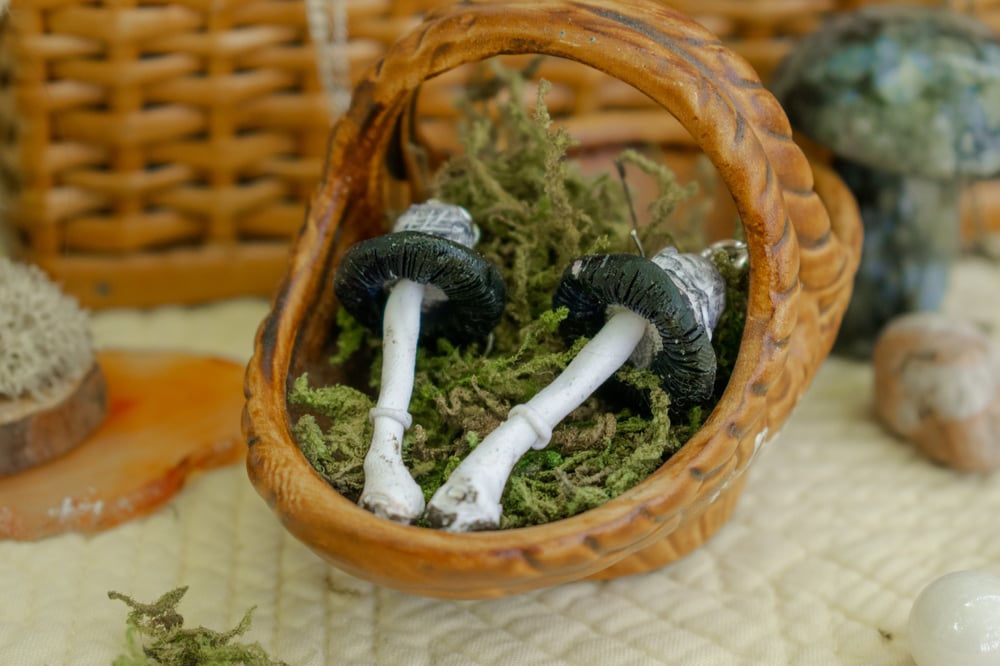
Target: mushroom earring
[[656, 313], [423, 281]]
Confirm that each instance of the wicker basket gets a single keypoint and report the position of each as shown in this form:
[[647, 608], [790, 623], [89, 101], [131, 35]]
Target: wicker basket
[[167, 149]]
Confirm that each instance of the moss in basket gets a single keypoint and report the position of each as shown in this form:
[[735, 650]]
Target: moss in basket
[[536, 214]]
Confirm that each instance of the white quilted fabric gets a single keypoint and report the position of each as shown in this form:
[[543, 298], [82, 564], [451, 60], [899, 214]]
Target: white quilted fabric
[[839, 528]]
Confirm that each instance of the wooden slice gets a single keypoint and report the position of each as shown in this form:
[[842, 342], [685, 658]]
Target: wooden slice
[[35, 430], [169, 415]]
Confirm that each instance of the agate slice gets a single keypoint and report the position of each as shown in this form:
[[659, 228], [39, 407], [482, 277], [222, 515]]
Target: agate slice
[[170, 415]]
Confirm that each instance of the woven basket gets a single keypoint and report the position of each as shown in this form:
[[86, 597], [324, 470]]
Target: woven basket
[[167, 149], [804, 246]]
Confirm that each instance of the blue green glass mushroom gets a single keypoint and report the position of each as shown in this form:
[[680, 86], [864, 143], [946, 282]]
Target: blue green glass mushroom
[[908, 101]]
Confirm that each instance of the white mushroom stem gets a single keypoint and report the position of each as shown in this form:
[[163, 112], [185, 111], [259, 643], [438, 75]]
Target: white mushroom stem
[[470, 499], [390, 491]]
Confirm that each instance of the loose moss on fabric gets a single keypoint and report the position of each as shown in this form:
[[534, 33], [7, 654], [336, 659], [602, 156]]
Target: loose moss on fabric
[[156, 634], [536, 213]]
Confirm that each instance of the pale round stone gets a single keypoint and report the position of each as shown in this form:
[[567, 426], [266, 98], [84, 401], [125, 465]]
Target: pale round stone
[[937, 384], [955, 621]]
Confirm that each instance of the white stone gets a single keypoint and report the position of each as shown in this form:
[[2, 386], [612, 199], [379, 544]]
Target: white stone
[[955, 621]]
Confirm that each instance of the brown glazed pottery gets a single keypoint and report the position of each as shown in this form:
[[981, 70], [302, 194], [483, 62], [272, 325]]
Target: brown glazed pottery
[[803, 235]]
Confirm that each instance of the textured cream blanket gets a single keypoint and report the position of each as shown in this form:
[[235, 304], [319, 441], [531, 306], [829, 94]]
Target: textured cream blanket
[[839, 528]]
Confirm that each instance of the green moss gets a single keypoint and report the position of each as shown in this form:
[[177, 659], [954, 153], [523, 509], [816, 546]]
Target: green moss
[[155, 634], [729, 330], [351, 337], [536, 213], [336, 452]]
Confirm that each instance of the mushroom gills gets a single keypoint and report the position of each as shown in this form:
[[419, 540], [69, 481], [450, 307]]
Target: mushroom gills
[[621, 302], [421, 281]]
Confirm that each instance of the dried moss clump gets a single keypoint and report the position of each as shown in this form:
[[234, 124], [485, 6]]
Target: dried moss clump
[[156, 635], [536, 213], [44, 335]]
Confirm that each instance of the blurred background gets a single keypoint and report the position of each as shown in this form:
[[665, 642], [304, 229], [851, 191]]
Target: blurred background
[[163, 152]]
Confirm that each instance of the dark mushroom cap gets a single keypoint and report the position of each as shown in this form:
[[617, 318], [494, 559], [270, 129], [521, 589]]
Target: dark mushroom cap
[[472, 293], [675, 347], [905, 89]]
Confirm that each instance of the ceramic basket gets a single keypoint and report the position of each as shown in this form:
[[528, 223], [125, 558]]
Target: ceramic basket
[[801, 227]]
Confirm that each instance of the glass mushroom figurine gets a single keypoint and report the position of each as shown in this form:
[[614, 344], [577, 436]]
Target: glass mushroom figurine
[[656, 313], [423, 280], [908, 101]]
